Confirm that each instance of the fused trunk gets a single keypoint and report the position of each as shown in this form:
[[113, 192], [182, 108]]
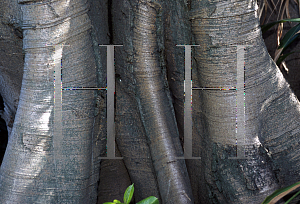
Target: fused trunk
[[41, 167]]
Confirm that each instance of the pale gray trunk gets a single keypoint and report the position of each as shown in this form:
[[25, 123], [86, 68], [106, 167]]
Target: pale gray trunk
[[148, 30], [272, 110], [39, 166], [139, 27]]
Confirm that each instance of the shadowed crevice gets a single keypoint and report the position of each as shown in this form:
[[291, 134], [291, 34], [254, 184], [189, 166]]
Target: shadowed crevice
[[3, 132], [110, 23]]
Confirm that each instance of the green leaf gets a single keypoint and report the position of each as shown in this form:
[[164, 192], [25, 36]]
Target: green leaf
[[278, 194], [128, 194], [149, 200], [289, 37], [292, 39], [114, 202], [282, 57], [266, 27], [294, 196]]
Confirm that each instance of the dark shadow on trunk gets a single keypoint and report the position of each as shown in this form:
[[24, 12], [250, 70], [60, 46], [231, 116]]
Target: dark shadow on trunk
[[3, 132]]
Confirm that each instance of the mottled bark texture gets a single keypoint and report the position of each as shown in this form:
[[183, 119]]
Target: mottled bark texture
[[272, 110], [150, 139], [114, 180], [34, 170], [149, 105], [12, 59]]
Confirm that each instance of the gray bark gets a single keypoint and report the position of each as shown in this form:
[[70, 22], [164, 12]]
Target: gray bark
[[12, 59], [270, 146], [149, 106], [39, 166], [146, 83]]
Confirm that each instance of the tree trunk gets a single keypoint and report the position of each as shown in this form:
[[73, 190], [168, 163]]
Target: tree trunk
[[41, 166], [145, 82], [271, 109], [12, 59]]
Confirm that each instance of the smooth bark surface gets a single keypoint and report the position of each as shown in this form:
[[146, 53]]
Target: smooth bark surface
[[149, 105], [218, 27], [39, 166], [152, 97]]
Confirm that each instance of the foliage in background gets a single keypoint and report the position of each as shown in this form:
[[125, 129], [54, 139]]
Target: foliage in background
[[128, 196], [280, 8], [289, 37]]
